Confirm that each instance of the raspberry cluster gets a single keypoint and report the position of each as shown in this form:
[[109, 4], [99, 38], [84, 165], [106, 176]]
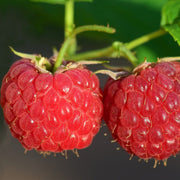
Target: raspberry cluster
[[51, 112], [63, 111], [142, 111]]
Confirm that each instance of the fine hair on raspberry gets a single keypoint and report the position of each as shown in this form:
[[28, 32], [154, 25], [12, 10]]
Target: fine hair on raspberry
[[51, 112], [142, 111]]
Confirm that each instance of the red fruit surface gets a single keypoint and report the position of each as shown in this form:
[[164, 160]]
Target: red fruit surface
[[142, 111], [51, 112]]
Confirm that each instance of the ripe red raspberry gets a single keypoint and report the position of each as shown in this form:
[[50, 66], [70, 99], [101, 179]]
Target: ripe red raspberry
[[51, 112], [142, 111]]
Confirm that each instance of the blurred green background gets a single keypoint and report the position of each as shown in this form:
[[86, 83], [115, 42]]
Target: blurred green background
[[21, 19], [36, 28]]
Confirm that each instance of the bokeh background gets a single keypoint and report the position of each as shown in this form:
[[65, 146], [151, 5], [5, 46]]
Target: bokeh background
[[36, 28]]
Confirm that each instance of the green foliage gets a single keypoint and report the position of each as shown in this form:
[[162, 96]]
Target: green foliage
[[171, 18], [130, 18], [170, 12], [174, 31], [58, 1]]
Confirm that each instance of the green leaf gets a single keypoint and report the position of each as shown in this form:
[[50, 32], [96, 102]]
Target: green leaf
[[171, 18], [174, 31], [58, 1], [170, 12]]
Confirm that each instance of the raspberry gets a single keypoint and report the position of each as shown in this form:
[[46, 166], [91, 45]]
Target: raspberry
[[51, 112], [142, 111]]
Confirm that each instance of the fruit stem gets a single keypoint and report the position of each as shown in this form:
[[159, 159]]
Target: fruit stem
[[168, 59], [69, 25], [92, 54], [122, 50], [145, 38], [69, 17], [76, 31], [110, 51], [93, 28], [129, 55]]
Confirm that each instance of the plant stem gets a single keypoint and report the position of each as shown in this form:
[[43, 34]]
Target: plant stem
[[93, 28], [92, 54], [168, 59], [69, 17], [69, 25], [129, 55], [76, 31], [143, 39], [110, 50]]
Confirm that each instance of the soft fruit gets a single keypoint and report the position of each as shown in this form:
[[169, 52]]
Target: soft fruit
[[142, 110], [51, 112]]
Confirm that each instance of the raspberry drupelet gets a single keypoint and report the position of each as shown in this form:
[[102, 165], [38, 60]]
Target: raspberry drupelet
[[142, 110], [51, 112]]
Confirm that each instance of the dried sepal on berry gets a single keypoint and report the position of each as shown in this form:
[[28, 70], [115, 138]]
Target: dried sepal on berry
[[51, 112]]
